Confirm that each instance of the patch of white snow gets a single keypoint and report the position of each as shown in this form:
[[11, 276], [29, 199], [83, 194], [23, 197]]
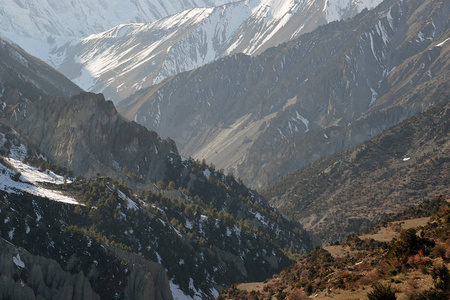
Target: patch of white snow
[[18, 261]]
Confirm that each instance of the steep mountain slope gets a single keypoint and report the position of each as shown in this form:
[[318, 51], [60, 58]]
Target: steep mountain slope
[[44, 257], [186, 35], [349, 191], [413, 265], [329, 90], [206, 228], [86, 134], [205, 237], [19, 71]]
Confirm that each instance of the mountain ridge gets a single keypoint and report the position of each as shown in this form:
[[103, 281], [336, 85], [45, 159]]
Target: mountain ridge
[[348, 191], [141, 203], [339, 74], [120, 59], [22, 72]]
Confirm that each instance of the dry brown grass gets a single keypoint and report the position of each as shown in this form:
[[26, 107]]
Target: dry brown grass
[[386, 234]]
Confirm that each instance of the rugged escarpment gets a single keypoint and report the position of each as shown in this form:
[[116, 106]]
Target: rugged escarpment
[[86, 134]]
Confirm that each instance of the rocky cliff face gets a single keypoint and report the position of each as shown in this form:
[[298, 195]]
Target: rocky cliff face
[[86, 134], [257, 116], [27, 276]]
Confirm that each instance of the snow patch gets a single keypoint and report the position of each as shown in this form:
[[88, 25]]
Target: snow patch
[[130, 203], [442, 44], [304, 120], [374, 96], [178, 294], [18, 261], [32, 176], [338, 9]]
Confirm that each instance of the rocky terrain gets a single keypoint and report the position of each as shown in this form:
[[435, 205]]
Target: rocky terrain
[[413, 265], [349, 191], [86, 134], [319, 94], [92, 202], [94, 205], [41, 259]]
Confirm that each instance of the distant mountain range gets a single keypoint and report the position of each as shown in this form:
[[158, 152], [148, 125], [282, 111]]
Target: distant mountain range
[[331, 89], [118, 51], [66, 18]]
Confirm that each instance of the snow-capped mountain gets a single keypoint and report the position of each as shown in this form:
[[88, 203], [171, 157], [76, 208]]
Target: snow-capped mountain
[[261, 117], [123, 59], [44, 18]]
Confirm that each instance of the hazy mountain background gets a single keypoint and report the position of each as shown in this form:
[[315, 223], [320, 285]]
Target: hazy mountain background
[[119, 47]]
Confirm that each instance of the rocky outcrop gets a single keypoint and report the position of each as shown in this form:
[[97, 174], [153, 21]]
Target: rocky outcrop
[[146, 280], [86, 134], [26, 276]]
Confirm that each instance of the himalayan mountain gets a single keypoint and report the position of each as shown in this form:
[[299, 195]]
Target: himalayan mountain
[[347, 192], [117, 49], [80, 220], [98, 199], [263, 116]]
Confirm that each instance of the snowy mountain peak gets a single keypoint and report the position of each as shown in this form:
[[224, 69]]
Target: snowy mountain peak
[[278, 8], [340, 9], [137, 43], [41, 18]]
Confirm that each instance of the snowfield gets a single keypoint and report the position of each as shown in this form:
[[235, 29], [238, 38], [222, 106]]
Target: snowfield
[[30, 181]]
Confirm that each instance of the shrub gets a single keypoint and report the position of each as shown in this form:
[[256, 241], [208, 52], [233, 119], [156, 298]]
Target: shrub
[[16, 177], [441, 278], [382, 292], [298, 295]]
